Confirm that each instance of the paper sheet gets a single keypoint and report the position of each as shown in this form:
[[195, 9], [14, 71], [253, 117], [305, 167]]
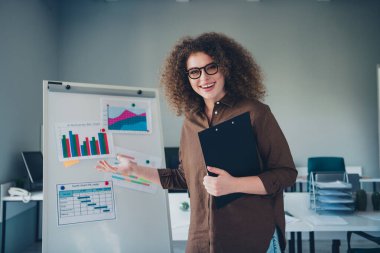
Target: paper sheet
[[84, 202], [290, 219], [333, 185], [133, 182], [322, 220], [370, 215], [70, 163]]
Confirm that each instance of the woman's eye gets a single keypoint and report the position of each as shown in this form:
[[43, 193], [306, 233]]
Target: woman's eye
[[211, 68], [194, 72]]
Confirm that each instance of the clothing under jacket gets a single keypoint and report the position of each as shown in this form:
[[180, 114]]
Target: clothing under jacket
[[247, 223]]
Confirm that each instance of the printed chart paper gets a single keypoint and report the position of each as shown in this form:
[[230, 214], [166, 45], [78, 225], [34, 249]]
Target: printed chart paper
[[85, 202], [86, 140], [133, 182], [127, 116]]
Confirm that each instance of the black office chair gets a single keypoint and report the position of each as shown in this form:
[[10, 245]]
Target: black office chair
[[362, 250]]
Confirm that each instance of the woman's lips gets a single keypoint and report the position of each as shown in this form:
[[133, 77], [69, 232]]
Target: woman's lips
[[208, 86]]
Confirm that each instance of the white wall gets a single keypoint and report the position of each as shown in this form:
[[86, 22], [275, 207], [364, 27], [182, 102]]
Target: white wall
[[319, 60], [28, 54]]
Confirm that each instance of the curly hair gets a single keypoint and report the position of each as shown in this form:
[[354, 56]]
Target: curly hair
[[243, 77]]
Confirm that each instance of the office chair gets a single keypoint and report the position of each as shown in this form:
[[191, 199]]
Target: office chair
[[362, 250], [324, 164]]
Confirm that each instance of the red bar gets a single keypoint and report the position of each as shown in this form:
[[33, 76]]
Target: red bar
[[88, 146], [106, 143], [77, 144], [97, 147], [68, 148]]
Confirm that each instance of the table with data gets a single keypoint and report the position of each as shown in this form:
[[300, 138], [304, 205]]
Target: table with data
[[85, 202]]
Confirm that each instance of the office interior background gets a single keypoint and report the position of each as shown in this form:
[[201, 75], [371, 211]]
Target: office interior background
[[319, 61]]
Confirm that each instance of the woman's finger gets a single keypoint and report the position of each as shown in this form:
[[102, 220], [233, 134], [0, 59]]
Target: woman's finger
[[111, 168], [98, 167], [105, 166], [121, 156]]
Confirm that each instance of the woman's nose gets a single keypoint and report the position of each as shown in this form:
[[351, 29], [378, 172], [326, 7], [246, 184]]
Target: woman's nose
[[204, 75]]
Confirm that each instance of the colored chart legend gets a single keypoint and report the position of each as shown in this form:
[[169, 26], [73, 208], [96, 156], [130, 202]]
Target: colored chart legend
[[85, 202], [127, 116], [83, 141], [132, 182]]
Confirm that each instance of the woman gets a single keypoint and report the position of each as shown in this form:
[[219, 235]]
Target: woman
[[212, 78]]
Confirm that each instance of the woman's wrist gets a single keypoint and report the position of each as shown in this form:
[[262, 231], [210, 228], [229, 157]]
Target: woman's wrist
[[237, 185], [250, 185], [132, 170]]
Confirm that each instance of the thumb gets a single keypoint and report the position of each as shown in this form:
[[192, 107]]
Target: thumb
[[216, 170]]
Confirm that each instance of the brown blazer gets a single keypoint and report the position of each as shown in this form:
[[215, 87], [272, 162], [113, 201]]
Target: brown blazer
[[248, 223]]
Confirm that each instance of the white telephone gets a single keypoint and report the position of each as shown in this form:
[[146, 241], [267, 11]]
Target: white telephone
[[24, 194]]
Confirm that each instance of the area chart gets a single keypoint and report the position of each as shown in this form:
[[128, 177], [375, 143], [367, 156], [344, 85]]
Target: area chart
[[127, 116]]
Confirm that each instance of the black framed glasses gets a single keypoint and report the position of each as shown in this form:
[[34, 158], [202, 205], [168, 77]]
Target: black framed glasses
[[210, 69]]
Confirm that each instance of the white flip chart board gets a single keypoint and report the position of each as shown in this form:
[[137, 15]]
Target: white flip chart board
[[83, 209]]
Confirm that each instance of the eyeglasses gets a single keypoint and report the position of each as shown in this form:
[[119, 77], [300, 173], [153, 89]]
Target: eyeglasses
[[210, 69]]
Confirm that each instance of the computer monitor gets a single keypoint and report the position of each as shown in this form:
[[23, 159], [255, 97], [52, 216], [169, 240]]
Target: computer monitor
[[171, 157], [34, 166], [172, 162]]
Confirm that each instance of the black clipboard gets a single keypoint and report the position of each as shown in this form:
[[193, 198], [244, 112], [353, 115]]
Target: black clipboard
[[231, 146]]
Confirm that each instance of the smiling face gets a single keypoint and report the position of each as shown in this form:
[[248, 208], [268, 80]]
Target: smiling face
[[209, 87]]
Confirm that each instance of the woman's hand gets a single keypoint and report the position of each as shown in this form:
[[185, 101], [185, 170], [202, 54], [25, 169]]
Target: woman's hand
[[223, 184], [126, 165]]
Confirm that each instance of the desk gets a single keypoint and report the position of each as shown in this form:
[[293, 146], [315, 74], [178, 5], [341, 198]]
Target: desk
[[295, 203], [36, 196], [180, 221], [369, 180], [298, 205]]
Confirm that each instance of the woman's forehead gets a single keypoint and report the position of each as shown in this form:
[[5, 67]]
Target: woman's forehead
[[198, 59]]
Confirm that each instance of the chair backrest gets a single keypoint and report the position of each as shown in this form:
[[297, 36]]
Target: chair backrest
[[354, 180], [324, 164]]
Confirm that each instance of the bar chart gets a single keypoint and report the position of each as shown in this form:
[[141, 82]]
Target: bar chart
[[83, 141]]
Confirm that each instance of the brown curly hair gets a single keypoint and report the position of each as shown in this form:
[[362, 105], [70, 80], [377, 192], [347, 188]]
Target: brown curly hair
[[243, 77]]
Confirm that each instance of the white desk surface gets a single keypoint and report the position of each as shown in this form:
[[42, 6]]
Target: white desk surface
[[295, 203], [298, 205], [180, 220], [36, 196], [369, 180]]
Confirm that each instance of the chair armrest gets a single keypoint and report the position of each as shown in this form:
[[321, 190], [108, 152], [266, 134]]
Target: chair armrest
[[362, 234]]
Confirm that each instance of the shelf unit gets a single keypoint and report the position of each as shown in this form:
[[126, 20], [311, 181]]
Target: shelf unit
[[331, 193]]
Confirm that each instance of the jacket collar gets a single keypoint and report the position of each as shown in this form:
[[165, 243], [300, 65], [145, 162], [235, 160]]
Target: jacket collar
[[227, 100]]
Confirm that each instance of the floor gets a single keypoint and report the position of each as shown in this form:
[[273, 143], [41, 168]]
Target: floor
[[322, 246]]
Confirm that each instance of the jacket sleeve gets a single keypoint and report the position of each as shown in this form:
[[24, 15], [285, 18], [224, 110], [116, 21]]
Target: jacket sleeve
[[173, 178], [279, 170]]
